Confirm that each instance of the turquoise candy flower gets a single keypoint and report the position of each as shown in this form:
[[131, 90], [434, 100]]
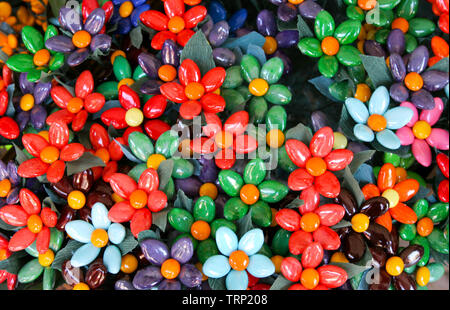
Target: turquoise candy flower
[[238, 258], [377, 121], [95, 236]]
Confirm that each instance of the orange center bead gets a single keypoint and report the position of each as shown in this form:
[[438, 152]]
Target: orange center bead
[[170, 269], [167, 73], [200, 230], [309, 278], [138, 199], [377, 122], [425, 227], [3, 254], [400, 23], [75, 105], [99, 238], [330, 46], [316, 166], [41, 58], [5, 187], [34, 223], [367, 4], [194, 91], [224, 139], [81, 39], [249, 194], [49, 154], [239, 260], [414, 81], [310, 222], [176, 24]]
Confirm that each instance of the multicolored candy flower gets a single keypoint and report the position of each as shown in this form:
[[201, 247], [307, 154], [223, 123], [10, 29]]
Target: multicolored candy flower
[[237, 257], [126, 14]]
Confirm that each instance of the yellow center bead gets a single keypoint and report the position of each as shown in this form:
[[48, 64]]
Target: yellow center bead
[[392, 196], [126, 9], [5, 187], [209, 189], [338, 257], [155, 160], [47, 258], [76, 200], [270, 46], [134, 117], [127, 82], [275, 138], [138, 199], [81, 287], [423, 276], [34, 223], [340, 141], [194, 91], [129, 263], [81, 39], [27, 102], [360, 222], [258, 87], [394, 266], [224, 139], [99, 238], [49, 154], [176, 24], [421, 130]]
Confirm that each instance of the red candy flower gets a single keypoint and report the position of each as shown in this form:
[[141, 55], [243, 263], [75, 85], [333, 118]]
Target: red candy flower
[[36, 219], [194, 92], [140, 200], [11, 279], [315, 163], [78, 107], [442, 162], [175, 25]]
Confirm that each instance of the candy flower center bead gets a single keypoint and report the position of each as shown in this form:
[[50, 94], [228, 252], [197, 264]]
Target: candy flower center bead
[[275, 138], [377, 122], [194, 91], [134, 117], [330, 46], [75, 105], [126, 9], [41, 57], [310, 222], [34, 223], [394, 266], [47, 258], [81, 39], [49, 154], [238, 260], [176, 24], [270, 46], [296, 1], [3, 254], [421, 130], [170, 269], [155, 160], [129, 264], [258, 87], [76, 200], [309, 278], [5, 187], [224, 139], [367, 4], [360, 222], [392, 196], [200, 230], [138, 199], [81, 287], [249, 194], [413, 81], [27, 102], [99, 238], [316, 166]]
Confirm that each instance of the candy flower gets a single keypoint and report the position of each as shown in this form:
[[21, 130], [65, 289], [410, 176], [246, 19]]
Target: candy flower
[[251, 193], [377, 121], [169, 269], [126, 14], [41, 60], [419, 133], [11, 279], [37, 222], [101, 233], [194, 92], [237, 257], [313, 175], [332, 44], [396, 193], [175, 25], [87, 37]]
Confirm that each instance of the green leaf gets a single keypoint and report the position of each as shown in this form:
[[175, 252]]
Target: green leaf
[[291, 25], [359, 159], [70, 89], [300, 132], [20, 155], [377, 70], [281, 283], [303, 29], [148, 234], [159, 219], [136, 37], [55, 5], [48, 203], [295, 203], [341, 224], [217, 284], [128, 244], [65, 254], [442, 65], [244, 41], [127, 152], [244, 224], [351, 269], [86, 161], [183, 202], [13, 263], [199, 50], [165, 170], [352, 185], [322, 84]]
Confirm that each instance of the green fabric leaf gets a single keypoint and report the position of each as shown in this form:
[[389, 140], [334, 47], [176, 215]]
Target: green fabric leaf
[[183, 202], [244, 224], [295, 203], [136, 37], [244, 41], [65, 254], [13, 263], [148, 234], [351, 269], [322, 84], [128, 244], [352, 185], [165, 170], [56, 5], [217, 284], [442, 65], [300, 132], [159, 219], [359, 159], [341, 224], [199, 50], [20, 155], [377, 70], [281, 283], [86, 161]]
